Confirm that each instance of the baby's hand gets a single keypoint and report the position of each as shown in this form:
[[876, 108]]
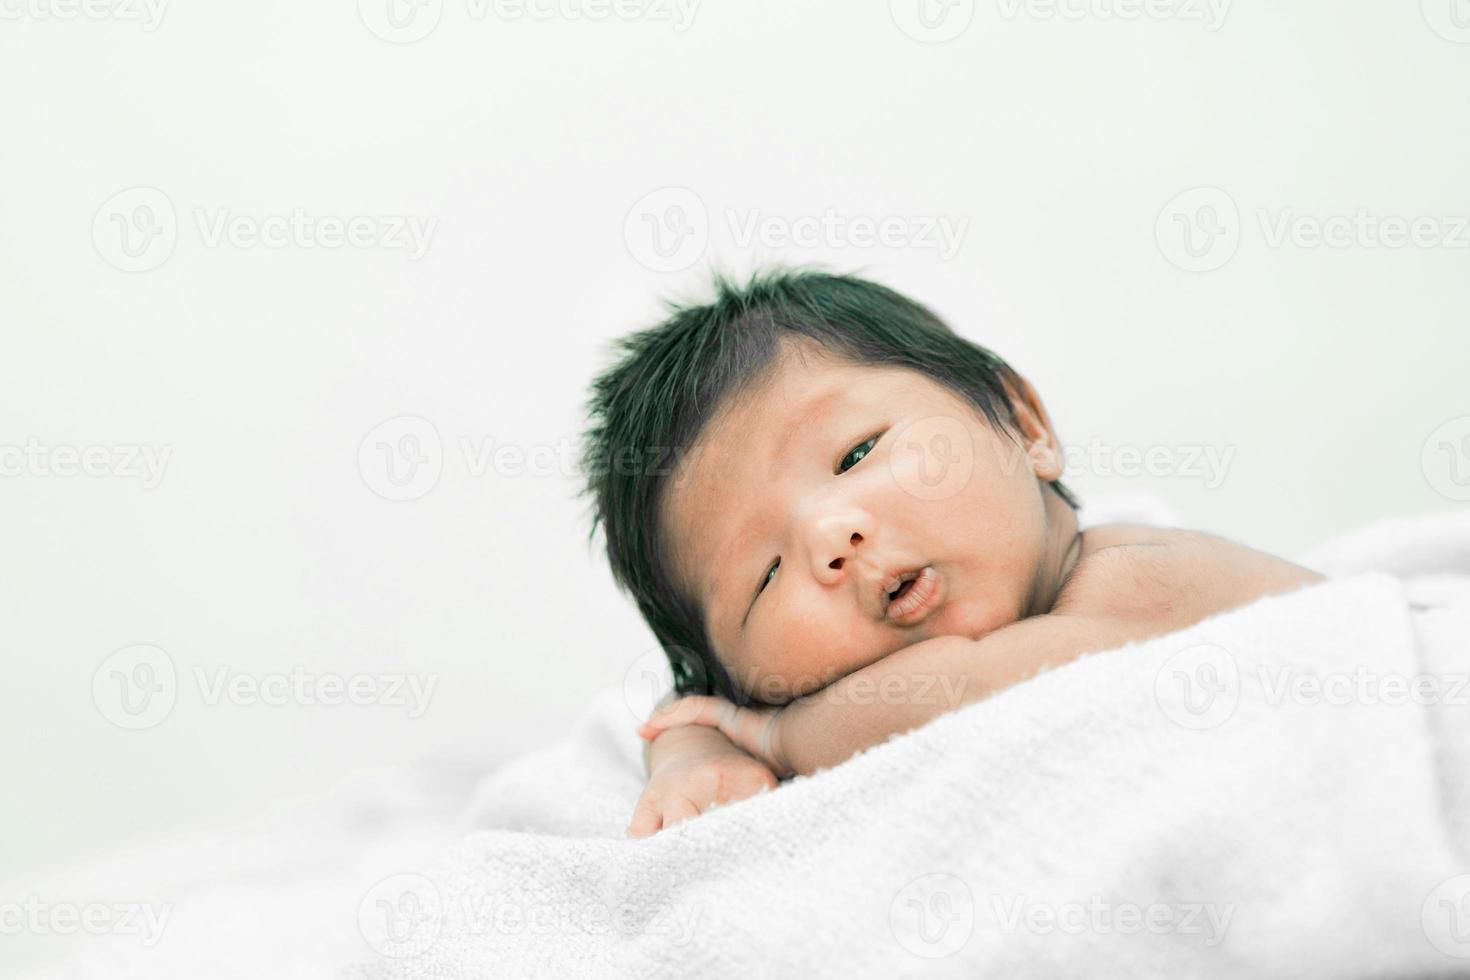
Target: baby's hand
[[705, 771], [757, 730]]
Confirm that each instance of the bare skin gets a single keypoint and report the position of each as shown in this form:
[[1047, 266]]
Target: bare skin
[[812, 492], [1129, 584]]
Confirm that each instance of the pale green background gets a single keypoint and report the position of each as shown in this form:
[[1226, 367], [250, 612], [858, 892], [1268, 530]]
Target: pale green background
[[1324, 369]]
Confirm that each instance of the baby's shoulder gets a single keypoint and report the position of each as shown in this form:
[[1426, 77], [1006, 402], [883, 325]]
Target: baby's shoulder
[[1171, 575]]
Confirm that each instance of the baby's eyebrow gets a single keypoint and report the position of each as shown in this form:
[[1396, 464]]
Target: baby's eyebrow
[[814, 409]]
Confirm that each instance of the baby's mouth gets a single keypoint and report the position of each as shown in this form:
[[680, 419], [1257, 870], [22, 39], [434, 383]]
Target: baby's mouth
[[913, 595]]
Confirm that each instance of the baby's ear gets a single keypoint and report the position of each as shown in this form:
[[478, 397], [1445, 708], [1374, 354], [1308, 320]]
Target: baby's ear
[[1042, 447]]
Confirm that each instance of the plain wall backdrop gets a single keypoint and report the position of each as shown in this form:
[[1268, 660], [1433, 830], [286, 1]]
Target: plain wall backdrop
[[1130, 204]]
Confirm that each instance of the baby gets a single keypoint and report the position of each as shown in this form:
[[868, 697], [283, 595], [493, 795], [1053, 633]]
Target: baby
[[863, 528]]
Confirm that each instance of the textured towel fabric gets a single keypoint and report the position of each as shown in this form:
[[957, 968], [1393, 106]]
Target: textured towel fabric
[[1278, 791], [1067, 819]]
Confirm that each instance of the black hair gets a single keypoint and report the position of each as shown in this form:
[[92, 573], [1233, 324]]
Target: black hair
[[669, 380]]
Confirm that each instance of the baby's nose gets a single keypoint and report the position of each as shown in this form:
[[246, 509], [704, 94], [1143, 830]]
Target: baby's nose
[[834, 543]]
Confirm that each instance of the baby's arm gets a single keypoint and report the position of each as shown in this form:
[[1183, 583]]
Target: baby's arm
[[902, 691], [918, 683]]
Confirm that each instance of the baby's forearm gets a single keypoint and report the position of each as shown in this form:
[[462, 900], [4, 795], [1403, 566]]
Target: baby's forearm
[[900, 692], [914, 685]]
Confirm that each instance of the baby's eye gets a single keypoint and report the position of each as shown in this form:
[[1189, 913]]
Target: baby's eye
[[859, 451], [767, 580]]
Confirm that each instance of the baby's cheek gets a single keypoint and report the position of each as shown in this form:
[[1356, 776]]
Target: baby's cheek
[[1007, 566], [806, 653]]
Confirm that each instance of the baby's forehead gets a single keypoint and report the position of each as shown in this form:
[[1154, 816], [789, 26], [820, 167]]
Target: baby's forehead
[[794, 390]]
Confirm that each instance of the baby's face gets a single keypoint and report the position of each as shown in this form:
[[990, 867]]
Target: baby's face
[[791, 478]]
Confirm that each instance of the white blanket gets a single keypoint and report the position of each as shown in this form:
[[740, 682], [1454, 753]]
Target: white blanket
[[1065, 827], [1277, 791]]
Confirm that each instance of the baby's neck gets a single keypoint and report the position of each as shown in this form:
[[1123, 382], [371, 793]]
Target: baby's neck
[[1063, 551]]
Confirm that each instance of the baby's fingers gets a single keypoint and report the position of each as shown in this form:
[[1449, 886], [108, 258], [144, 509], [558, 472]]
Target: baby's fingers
[[647, 818], [695, 709], [677, 810], [652, 815]]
